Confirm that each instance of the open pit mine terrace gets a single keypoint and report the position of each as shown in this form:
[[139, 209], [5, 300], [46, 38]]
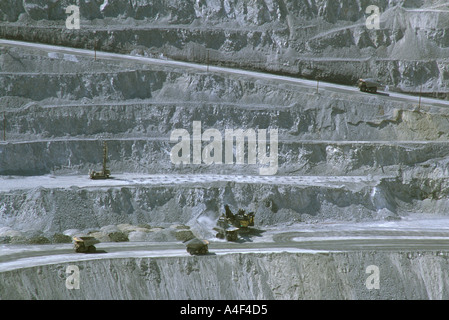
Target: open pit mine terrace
[[356, 209]]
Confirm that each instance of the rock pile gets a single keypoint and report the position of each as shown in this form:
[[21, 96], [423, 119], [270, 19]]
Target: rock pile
[[109, 233]]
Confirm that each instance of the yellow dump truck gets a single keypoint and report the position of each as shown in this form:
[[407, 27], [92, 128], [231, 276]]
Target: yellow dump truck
[[85, 244], [197, 246], [368, 85]]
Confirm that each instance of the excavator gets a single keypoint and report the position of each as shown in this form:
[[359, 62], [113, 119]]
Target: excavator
[[241, 219], [229, 224]]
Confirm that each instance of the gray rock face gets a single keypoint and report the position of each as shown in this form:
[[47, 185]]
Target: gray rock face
[[56, 130], [343, 155], [319, 39], [290, 276], [10, 10]]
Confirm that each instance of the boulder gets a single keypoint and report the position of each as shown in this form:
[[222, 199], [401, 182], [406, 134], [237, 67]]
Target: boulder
[[184, 235], [118, 236], [38, 239], [61, 238]]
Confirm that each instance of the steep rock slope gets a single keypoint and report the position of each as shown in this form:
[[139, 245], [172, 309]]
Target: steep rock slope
[[318, 39], [289, 276]]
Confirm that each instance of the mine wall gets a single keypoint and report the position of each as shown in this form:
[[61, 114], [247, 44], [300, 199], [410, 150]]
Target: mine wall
[[55, 210], [153, 156], [344, 156], [320, 40], [237, 276]]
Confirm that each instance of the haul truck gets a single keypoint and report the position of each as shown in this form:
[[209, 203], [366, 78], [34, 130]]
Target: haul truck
[[197, 246], [368, 85], [85, 244]]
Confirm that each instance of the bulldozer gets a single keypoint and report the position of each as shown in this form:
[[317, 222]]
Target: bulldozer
[[368, 85], [196, 246], [85, 244], [105, 173]]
